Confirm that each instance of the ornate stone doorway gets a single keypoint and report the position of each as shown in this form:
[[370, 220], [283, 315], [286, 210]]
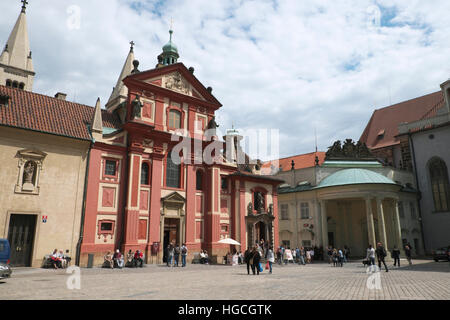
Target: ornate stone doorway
[[173, 224], [259, 226]]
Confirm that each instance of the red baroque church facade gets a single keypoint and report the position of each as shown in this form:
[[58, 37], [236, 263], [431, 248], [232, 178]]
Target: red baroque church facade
[[138, 197]]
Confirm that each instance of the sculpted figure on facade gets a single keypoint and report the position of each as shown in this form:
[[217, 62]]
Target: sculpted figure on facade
[[176, 82], [28, 172], [136, 107]]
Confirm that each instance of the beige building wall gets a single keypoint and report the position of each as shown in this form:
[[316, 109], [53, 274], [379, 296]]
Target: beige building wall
[[60, 194]]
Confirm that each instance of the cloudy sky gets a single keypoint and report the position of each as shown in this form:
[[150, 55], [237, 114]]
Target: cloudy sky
[[290, 65]]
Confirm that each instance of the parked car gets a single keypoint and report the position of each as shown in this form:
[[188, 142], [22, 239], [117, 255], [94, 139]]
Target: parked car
[[440, 254], [5, 254]]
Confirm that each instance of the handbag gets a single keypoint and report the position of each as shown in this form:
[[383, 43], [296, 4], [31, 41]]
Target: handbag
[[267, 265]]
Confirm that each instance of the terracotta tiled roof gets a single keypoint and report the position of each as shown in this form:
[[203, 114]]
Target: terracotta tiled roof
[[389, 118], [32, 111], [301, 161]]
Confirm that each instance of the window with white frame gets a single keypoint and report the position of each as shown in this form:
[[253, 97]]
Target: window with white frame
[[284, 212], [304, 209]]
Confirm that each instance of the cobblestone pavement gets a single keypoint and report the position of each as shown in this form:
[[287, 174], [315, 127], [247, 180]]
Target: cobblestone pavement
[[425, 280]]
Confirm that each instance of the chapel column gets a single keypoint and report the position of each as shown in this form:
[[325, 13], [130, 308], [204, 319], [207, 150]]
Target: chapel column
[[382, 225], [132, 208], [323, 214], [156, 220], [189, 218], [398, 228], [274, 225], [242, 214], [370, 223]]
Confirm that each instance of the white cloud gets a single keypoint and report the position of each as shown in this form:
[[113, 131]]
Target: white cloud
[[291, 65]]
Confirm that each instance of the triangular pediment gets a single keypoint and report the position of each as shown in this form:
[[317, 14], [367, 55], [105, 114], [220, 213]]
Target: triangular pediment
[[176, 78], [31, 154], [174, 197]]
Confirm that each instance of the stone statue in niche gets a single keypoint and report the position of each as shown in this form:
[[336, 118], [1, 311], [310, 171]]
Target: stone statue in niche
[[260, 202], [29, 171], [250, 208], [270, 210], [136, 107]]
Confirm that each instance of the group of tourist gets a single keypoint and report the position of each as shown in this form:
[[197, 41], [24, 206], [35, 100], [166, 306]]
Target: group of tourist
[[59, 260], [338, 256], [252, 258], [116, 260], [173, 253], [301, 255], [380, 254]]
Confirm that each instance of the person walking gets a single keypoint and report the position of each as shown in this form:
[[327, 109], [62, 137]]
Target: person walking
[[308, 256], [270, 258], [297, 255], [184, 252], [248, 259], [170, 251], [341, 257], [176, 254], [256, 257], [345, 254], [408, 253], [279, 256], [381, 254], [330, 254], [370, 255], [396, 256], [302, 256]]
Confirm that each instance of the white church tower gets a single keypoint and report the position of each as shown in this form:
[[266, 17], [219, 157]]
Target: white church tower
[[16, 64], [120, 91]]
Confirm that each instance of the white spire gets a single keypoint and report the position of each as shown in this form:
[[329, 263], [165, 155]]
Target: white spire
[[120, 91], [16, 63]]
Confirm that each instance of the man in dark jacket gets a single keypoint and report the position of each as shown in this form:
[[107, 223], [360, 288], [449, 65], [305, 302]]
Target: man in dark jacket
[[256, 258], [247, 258], [381, 254], [396, 256]]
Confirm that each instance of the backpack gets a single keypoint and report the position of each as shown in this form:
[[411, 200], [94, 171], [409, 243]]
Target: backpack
[[183, 250]]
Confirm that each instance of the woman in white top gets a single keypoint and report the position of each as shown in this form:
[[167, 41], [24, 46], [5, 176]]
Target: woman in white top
[[270, 258]]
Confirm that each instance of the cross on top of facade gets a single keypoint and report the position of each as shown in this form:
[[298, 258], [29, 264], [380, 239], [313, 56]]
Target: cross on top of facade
[[24, 5], [132, 45]]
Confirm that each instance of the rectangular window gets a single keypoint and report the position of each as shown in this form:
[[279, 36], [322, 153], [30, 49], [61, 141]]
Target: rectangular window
[[401, 211], [306, 243], [106, 226], [286, 243], [224, 184], [174, 119], [304, 208], [284, 212], [413, 210], [110, 168]]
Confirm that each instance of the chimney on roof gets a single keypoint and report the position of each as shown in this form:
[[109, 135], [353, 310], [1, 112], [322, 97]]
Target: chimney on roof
[[61, 96]]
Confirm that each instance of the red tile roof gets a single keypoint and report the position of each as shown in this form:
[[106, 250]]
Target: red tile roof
[[389, 118], [301, 161], [37, 112]]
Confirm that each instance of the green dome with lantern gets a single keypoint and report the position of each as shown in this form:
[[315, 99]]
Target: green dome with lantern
[[170, 53]]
